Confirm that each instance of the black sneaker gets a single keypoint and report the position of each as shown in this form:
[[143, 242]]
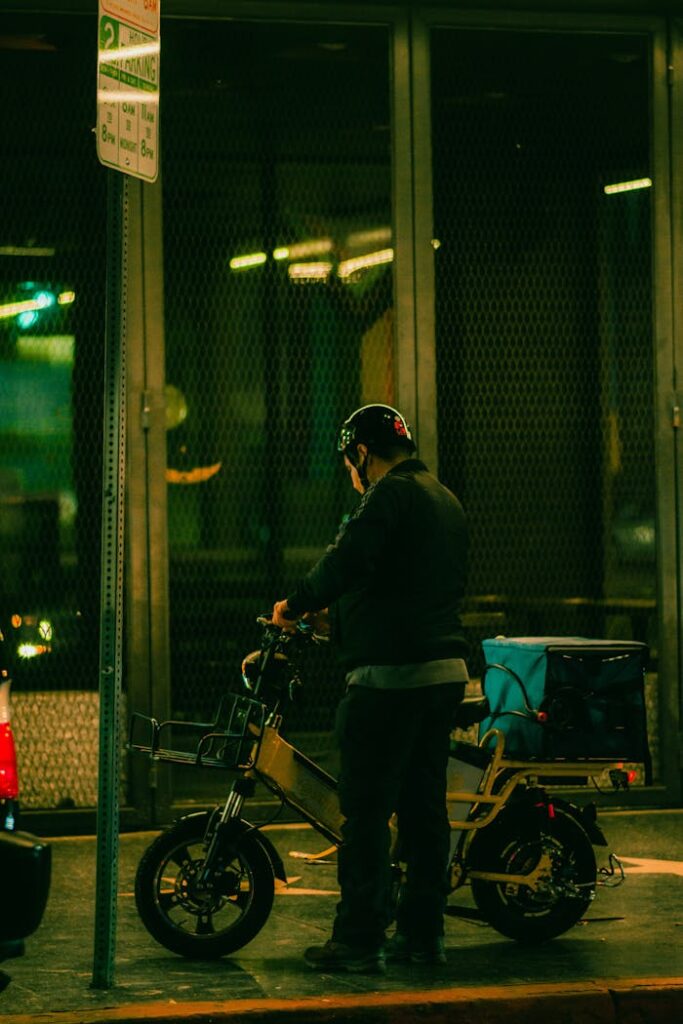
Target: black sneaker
[[401, 948], [337, 956]]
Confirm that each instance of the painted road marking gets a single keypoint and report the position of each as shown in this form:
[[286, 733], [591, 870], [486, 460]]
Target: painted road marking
[[648, 866]]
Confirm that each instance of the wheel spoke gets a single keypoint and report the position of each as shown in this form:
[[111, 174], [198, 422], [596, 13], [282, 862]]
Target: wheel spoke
[[168, 899], [241, 899], [181, 856], [205, 924]]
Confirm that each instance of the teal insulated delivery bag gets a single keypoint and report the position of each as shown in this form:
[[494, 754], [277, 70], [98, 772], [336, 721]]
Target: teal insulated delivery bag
[[567, 698]]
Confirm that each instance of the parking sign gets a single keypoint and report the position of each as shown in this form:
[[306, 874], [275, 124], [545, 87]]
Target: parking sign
[[128, 86]]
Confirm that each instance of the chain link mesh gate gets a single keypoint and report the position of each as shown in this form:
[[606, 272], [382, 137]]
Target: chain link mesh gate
[[542, 201], [276, 149], [52, 280]]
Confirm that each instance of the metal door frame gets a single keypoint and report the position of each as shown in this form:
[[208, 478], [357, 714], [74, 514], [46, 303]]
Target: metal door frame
[[147, 570], [671, 404], [667, 325]]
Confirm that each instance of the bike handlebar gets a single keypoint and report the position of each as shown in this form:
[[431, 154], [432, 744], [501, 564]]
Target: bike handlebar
[[302, 630]]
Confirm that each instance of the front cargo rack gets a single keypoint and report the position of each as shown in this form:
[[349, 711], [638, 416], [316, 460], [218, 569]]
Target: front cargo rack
[[232, 741]]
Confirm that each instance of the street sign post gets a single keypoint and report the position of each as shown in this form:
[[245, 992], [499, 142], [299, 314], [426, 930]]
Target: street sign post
[[128, 86], [127, 141]]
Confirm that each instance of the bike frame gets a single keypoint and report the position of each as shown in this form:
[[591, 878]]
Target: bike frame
[[304, 786], [503, 775]]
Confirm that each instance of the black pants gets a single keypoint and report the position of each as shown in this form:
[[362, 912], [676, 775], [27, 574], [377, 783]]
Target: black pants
[[394, 753]]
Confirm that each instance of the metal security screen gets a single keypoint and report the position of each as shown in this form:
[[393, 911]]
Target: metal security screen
[[542, 195], [278, 320], [52, 270]]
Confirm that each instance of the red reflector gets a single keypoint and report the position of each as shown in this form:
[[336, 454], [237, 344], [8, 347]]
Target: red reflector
[[632, 775], [548, 807], [542, 716], [9, 780]]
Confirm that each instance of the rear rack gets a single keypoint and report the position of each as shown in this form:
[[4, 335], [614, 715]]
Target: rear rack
[[232, 741]]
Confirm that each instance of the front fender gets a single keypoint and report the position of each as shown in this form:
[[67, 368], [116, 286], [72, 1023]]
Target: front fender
[[238, 826], [232, 829]]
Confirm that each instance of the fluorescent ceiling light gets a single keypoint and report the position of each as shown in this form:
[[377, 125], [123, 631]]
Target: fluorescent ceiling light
[[250, 259], [370, 259], [627, 186], [42, 300], [309, 271], [26, 250], [300, 250], [26, 305]]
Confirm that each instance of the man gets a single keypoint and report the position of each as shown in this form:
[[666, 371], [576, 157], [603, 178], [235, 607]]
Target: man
[[392, 581]]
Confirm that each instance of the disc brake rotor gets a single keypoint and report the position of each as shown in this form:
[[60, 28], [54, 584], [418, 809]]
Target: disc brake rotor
[[523, 859], [200, 899]]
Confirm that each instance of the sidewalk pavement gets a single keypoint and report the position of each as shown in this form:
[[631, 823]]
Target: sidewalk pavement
[[622, 965]]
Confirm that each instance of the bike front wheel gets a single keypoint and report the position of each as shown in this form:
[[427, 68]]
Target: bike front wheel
[[513, 845], [199, 918]]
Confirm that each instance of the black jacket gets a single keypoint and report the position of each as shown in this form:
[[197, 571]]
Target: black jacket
[[395, 574]]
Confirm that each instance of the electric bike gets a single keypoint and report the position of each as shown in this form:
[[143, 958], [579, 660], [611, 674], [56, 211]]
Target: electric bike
[[204, 888]]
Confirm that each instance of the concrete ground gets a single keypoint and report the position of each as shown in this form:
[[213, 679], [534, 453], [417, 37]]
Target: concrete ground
[[622, 964]]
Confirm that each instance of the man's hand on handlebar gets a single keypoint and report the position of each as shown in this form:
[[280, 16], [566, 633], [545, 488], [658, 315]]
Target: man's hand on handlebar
[[284, 618]]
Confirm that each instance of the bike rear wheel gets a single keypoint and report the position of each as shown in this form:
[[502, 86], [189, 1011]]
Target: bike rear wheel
[[197, 919], [513, 845]]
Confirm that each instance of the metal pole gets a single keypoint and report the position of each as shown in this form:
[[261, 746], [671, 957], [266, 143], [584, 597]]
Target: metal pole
[[111, 601]]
